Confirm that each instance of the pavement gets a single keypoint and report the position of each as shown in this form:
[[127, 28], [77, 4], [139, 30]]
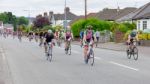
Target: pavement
[[119, 47]]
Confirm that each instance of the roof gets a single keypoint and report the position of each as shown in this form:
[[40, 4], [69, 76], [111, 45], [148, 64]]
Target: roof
[[107, 14], [113, 14], [124, 12], [91, 15], [137, 14], [70, 16]]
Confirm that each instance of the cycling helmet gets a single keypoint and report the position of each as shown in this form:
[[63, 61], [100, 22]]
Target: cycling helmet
[[49, 31]]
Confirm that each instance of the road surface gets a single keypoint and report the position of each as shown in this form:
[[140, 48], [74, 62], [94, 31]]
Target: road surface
[[25, 63]]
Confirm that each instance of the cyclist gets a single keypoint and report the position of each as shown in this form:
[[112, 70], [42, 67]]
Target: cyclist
[[131, 38], [97, 34], [41, 37], [48, 38], [20, 35], [30, 35], [88, 39], [68, 37], [81, 37], [57, 33], [36, 36]]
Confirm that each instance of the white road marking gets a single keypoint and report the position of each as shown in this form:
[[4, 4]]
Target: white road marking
[[98, 58], [125, 66], [76, 52]]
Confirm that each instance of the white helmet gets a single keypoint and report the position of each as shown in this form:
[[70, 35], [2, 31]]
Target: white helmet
[[49, 31]]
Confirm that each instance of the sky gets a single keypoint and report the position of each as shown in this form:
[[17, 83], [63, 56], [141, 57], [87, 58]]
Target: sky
[[33, 8]]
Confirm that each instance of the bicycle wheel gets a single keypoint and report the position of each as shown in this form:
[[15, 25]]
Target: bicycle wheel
[[91, 57], [135, 53], [66, 51], [49, 54], [70, 50], [128, 54]]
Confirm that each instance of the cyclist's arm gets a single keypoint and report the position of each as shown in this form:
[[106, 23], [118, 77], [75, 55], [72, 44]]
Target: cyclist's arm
[[72, 36]]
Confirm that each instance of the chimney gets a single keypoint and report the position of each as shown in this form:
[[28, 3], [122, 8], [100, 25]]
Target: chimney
[[45, 14], [51, 13], [67, 9]]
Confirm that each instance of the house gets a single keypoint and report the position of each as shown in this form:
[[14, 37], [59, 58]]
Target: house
[[108, 14], [141, 16], [60, 18], [52, 19], [8, 28]]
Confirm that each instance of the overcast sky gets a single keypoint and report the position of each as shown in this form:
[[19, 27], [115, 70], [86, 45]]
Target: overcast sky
[[36, 7]]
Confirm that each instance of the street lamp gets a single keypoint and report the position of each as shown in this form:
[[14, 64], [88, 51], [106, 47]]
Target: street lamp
[[85, 9]]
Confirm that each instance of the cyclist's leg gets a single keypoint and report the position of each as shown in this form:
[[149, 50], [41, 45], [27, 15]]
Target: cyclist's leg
[[45, 46], [65, 44]]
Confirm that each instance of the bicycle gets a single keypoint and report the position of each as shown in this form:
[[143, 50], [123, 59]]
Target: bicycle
[[49, 51], [133, 50], [68, 48], [20, 38], [81, 43], [59, 42], [90, 54]]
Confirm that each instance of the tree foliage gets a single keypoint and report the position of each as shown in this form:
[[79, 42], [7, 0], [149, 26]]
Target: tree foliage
[[40, 22], [22, 21], [96, 23]]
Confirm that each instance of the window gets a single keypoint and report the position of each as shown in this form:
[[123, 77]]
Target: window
[[144, 25], [138, 25]]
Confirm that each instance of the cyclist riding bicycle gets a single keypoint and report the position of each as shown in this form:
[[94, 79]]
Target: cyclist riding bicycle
[[81, 37], [41, 37], [68, 37], [88, 39], [131, 38], [48, 39], [19, 35]]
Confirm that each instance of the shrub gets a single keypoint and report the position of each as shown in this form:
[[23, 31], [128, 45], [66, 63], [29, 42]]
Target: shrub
[[127, 34], [96, 23]]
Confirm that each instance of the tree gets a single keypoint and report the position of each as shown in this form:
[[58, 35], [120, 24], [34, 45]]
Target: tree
[[40, 22], [22, 21]]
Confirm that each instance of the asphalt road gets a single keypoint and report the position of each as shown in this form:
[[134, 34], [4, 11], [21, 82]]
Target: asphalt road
[[25, 63]]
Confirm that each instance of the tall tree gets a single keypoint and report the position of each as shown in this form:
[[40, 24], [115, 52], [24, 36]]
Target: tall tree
[[22, 21], [40, 22]]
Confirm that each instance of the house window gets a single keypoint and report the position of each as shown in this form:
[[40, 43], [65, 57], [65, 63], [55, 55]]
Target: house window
[[144, 25], [139, 25]]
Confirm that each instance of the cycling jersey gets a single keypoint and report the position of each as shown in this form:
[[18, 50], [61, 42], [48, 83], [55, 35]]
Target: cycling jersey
[[49, 38], [68, 35]]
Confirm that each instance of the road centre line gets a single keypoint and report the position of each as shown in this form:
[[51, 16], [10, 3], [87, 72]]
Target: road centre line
[[124, 66]]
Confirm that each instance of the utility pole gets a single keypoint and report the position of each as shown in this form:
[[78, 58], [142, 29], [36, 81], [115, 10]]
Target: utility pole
[[65, 22], [85, 9]]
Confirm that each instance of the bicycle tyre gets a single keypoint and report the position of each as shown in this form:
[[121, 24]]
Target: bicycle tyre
[[49, 55], [70, 50], [91, 58], [128, 54], [135, 53]]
